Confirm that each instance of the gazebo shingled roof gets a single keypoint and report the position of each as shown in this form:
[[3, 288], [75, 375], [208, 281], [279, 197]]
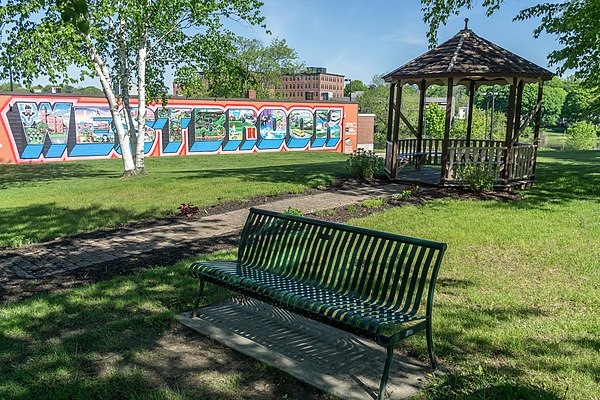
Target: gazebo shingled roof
[[467, 55], [466, 59]]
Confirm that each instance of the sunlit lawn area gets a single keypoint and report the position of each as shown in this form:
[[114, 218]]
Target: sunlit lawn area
[[516, 312], [517, 305], [44, 201]]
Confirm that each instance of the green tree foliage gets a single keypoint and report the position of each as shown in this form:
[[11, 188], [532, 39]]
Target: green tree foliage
[[5, 87], [576, 24], [479, 128], [580, 105], [129, 42], [243, 64], [375, 100], [357, 86], [553, 99], [435, 121], [582, 135]]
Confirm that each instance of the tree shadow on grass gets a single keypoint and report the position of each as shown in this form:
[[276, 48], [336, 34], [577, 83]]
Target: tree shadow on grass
[[566, 177], [118, 339], [27, 174], [310, 174], [495, 369], [40, 222], [456, 387]]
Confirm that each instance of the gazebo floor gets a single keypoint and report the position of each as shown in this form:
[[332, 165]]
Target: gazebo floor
[[426, 176]]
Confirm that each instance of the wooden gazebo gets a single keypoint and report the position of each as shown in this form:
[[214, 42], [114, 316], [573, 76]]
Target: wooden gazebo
[[469, 60]]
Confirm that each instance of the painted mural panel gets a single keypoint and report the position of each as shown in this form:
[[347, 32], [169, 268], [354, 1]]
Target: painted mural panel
[[272, 129], [93, 125], [174, 125], [47, 128], [45, 120], [273, 124], [209, 130], [210, 124], [242, 129], [335, 128], [301, 128], [150, 131], [179, 120]]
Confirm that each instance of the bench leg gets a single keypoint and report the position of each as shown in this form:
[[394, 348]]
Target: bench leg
[[434, 364], [386, 372], [198, 298]]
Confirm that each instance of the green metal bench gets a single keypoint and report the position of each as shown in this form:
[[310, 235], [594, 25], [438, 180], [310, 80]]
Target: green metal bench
[[365, 282]]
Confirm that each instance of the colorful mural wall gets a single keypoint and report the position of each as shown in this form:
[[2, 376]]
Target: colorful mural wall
[[36, 128]]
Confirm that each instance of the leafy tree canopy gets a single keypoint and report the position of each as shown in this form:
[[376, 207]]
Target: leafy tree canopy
[[576, 23], [244, 64], [357, 86], [122, 42]]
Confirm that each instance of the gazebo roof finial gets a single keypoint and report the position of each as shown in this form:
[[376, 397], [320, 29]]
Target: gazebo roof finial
[[466, 24]]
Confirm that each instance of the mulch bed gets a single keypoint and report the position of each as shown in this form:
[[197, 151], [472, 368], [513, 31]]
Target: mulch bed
[[418, 195]]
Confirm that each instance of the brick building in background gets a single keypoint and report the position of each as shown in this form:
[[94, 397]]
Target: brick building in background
[[316, 84]]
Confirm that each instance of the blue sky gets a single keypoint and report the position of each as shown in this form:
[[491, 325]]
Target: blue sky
[[359, 38]]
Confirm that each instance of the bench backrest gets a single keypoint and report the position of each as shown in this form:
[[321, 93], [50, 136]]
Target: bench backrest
[[389, 270]]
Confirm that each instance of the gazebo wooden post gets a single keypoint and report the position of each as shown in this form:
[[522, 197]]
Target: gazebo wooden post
[[510, 121], [397, 109], [470, 115], [445, 142], [390, 128], [420, 124], [536, 129]]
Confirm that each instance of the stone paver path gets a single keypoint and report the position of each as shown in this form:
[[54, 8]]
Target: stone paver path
[[42, 261]]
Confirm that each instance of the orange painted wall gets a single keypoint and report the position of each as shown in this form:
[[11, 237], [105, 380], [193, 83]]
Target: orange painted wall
[[42, 128]]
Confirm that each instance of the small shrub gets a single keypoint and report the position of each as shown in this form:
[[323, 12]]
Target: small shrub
[[293, 211], [479, 177], [406, 194], [188, 210], [364, 164], [351, 208], [582, 135], [373, 203]]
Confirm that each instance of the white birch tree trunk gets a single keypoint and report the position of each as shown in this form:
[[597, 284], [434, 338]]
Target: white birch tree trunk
[[141, 127], [141, 131], [103, 74], [124, 82]]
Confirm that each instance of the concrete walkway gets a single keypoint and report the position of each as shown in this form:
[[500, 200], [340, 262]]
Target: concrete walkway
[[66, 257]]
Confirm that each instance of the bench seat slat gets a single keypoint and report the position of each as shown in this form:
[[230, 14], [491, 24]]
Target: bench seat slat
[[335, 306]]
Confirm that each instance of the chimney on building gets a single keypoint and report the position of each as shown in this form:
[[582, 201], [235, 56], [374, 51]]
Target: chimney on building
[[251, 94]]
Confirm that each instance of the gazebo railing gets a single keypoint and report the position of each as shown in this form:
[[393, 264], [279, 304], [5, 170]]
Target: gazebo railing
[[521, 161], [459, 157], [479, 152]]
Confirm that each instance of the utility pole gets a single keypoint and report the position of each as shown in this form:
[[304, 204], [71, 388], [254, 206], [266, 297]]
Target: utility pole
[[492, 116], [350, 87], [487, 106]]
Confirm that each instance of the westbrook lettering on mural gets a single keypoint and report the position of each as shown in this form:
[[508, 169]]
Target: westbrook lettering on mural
[[57, 129]]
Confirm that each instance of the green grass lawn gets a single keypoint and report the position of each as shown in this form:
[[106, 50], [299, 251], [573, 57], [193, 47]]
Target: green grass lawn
[[517, 311], [515, 317], [45, 201]]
